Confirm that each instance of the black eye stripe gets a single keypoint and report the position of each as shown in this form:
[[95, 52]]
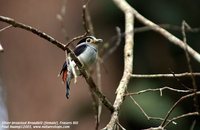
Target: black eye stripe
[[85, 39]]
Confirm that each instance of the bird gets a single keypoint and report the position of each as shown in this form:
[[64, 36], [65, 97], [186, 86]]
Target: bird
[[86, 51]]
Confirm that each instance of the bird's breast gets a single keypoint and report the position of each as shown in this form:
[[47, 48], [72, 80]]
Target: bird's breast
[[89, 56]]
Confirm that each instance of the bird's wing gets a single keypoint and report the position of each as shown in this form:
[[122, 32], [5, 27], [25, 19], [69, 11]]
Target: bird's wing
[[80, 49]]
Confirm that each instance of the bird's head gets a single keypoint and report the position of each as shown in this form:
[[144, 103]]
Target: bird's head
[[90, 40]]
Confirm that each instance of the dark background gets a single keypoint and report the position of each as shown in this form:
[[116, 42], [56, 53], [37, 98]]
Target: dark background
[[29, 65]]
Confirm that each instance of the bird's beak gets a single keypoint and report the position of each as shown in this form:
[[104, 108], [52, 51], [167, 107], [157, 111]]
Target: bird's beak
[[98, 41]]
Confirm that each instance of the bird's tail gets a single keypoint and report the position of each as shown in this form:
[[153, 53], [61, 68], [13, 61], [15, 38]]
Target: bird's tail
[[68, 86]]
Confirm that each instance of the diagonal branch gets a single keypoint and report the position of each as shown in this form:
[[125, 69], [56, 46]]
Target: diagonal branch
[[91, 83], [60, 45], [125, 6], [33, 30], [181, 116], [175, 104]]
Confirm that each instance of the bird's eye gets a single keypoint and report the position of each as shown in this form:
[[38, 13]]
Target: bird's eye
[[89, 40]]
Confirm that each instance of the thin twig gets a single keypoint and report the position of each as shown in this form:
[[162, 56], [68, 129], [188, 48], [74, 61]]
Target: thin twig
[[181, 116], [3, 29], [114, 47], [179, 81], [99, 109], [175, 104], [86, 17], [87, 30], [166, 26], [76, 38], [196, 105], [186, 74], [158, 89], [33, 30], [193, 125], [142, 110], [155, 128], [85, 24]]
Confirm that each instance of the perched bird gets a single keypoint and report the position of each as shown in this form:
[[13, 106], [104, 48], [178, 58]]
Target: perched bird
[[86, 51]]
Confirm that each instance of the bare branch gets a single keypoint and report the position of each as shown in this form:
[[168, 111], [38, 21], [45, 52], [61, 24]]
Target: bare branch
[[193, 125], [5, 28], [142, 110], [128, 64], [155, 128], [159, 89], [157, 28], [91, 83], [33, 30], [87, 24], [181, 116], [175, 104], [186, 74], [166, 26], [76, 38], [196, 105], [99, 109]]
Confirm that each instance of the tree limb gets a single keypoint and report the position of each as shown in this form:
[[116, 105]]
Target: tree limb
[[128, 64], [122, 4], [180, 75]]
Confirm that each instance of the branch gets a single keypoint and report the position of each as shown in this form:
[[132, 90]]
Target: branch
[[158, 89], [142, 110], [193, 125], [90, 81], [186, 74], [33, 30], [75, 38], [122, 4], [166, 26], [175, 104], [87, 20], [181, 116], [128, 64], [5, 28], [196, 105]]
